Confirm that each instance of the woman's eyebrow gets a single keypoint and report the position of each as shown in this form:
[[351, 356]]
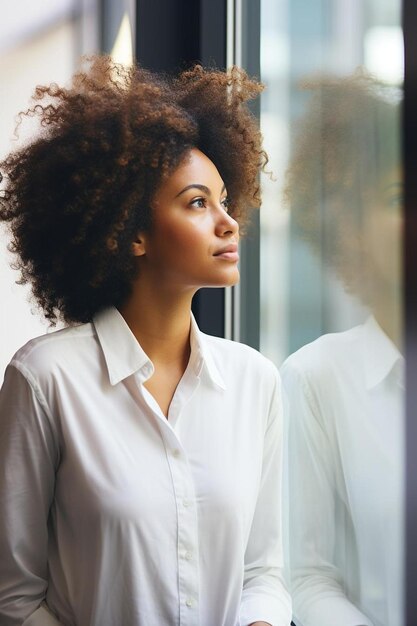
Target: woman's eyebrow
[[202, 188]]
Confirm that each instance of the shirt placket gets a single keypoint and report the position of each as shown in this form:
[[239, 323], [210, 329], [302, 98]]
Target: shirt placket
[[184, 493], [187, 547]]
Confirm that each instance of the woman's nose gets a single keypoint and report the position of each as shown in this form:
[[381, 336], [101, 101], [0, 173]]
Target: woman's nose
[[226, 224]]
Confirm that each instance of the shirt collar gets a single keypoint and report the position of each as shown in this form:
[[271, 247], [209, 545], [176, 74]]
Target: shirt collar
[[124, 355], [200, 346], [381, 355]]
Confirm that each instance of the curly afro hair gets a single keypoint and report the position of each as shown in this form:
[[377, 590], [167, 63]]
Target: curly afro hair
[[347, 143], [76, 195]]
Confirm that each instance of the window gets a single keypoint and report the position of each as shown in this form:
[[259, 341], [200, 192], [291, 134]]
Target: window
[[331, 297]]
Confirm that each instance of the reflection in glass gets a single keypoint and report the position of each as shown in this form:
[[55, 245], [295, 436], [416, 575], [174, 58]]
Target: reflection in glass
[[345, 390], [331, 293]]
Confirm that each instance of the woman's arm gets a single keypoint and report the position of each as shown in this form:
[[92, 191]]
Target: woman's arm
[[317, 584], [265, 598], [28, 459]]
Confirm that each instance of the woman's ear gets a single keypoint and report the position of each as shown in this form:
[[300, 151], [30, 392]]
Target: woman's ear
[[138, 245]]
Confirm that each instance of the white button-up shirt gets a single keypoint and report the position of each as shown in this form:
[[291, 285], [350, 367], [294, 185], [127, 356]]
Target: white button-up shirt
[[113, 515], [346, 479]]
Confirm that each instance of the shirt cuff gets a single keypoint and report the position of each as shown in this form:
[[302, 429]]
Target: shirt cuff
[[265, 610], [330, 611]]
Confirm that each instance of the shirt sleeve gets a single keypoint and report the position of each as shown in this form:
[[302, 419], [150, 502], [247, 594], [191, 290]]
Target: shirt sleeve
[[29, 455], [317, 585], [265, 596]]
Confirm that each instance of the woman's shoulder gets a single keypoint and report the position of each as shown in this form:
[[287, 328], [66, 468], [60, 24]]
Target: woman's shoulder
[[240, 359], [234, 348], [42, 353], [326, 356]]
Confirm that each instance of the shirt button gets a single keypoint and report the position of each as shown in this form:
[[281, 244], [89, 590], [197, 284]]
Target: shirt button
[[188, 555], [176, 453], [186, 502], [189, 602]]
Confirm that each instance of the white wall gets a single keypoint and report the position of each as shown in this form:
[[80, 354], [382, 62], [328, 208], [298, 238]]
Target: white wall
[[48, 56]]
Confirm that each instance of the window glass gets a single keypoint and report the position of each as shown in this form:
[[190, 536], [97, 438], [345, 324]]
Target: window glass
[[331, 294]]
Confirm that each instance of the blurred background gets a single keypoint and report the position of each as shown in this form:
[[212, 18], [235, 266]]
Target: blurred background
[[42, 43], [324, 255]]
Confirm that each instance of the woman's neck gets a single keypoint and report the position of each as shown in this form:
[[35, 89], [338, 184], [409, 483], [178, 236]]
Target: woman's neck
[[390, 320], [160, 321]]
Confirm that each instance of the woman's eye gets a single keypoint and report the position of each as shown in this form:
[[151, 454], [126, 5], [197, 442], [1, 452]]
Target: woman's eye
[[395, 201], [200, 203], [226, 203]]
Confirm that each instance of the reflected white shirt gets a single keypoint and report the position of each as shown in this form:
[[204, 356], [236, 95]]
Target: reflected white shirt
[[113, 514], [346, 477]]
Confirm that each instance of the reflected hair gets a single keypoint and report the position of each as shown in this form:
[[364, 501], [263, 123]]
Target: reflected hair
[[346, 143]]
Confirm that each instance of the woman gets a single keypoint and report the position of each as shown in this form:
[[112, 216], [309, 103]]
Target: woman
[[141, 459], [345, 389]]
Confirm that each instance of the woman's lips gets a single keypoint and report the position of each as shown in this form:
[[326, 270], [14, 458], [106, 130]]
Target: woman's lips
[[228, 256], [228, 253]]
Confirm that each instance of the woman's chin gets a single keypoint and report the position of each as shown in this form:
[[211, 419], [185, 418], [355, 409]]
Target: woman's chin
[[231, 280]]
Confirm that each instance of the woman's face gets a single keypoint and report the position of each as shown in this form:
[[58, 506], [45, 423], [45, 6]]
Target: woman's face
[[193, 241], [383, 226]]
